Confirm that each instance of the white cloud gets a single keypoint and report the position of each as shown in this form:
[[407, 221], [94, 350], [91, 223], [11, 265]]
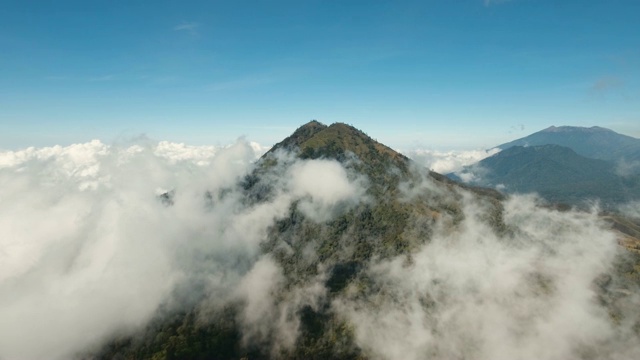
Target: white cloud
[[83, 163], [445, 162], [189, 27], [258, 289], [473, 174], [631, 209], [326, 183], [87, 248], [267, 318], [200, 155], [626, 168], [474, 294]]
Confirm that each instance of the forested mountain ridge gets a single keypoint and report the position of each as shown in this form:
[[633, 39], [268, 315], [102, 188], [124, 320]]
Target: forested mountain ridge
[[360, 249], [593, 142], [556, 173]]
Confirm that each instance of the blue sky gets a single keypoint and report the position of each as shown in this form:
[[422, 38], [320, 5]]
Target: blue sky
[[431, 74]]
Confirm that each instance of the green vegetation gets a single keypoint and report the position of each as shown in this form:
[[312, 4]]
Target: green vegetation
[[182, 336], [383, 226], [594, 142], [557, 174], [388, 223]]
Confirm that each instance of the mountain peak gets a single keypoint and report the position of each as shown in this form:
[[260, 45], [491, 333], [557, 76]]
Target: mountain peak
[[316, 140], [592, 142], [301, 135], [556, 173], [312, 125], [576, 129], [348, 145]]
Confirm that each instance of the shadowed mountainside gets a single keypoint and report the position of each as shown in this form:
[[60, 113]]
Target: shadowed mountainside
[[556, 173]]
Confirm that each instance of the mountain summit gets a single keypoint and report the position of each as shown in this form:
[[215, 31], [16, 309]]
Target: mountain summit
[[566, 164], [383, 167], [593, 142], [315, 140], [556, 173]]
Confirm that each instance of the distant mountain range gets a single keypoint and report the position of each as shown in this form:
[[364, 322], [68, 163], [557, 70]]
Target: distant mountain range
[[564, 164], [593, 142]]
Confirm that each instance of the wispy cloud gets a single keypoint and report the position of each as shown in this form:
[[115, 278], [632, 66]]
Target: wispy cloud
[[448, 161], [189, 27]]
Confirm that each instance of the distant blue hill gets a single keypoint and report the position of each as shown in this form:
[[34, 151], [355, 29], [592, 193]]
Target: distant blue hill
[[557, 173], [594, 142]]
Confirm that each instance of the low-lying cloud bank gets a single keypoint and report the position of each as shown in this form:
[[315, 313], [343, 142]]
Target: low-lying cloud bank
[[88, 250], [445, 162], [472, 294], [87, 247]]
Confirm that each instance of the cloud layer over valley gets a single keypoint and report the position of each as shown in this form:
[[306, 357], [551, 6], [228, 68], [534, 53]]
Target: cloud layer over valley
[[445, 162]]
